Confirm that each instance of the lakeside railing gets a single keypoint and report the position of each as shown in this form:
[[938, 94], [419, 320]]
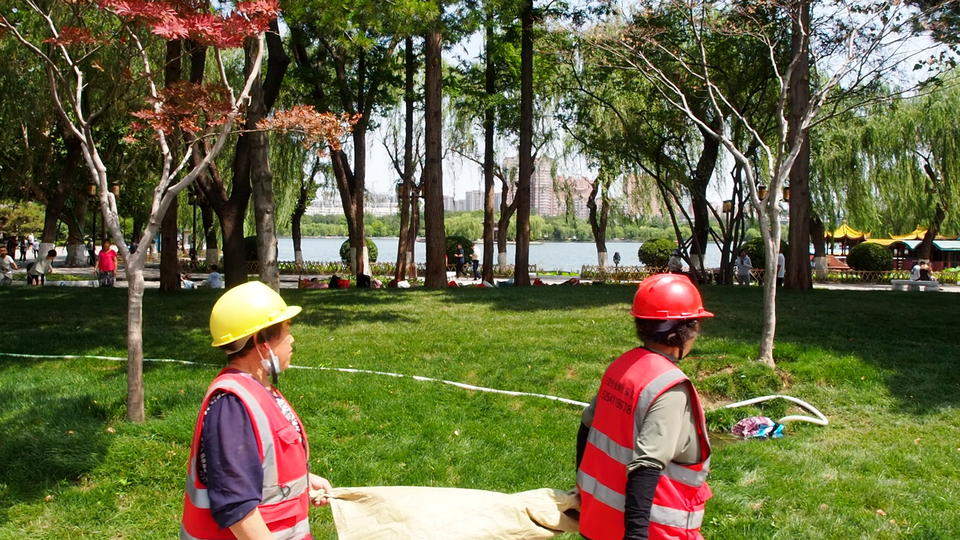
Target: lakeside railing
[[588, 272]]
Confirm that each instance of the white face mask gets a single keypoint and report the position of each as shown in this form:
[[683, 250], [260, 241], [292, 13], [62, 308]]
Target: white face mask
[[271, 363]]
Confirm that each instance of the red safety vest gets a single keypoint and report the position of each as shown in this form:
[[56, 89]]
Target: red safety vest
[[630, 385], [285, 498]]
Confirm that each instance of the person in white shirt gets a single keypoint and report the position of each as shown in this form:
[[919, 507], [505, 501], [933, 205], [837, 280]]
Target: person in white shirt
[[215, 280], [915, 272], [36, 274], [7, 266], [781, 268]]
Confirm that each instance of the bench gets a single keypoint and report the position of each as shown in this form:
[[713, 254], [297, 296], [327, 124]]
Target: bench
[[910, 285]]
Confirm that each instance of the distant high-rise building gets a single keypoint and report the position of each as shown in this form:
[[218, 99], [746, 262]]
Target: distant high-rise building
[[473, 201], [578, 190], [544, 199], [449, 204], [327, 203]]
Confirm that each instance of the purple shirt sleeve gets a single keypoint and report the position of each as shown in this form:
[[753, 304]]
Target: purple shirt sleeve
[[229, 460]]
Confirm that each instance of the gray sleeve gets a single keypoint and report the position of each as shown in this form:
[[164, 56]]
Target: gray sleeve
[[587, 418], [658, 437]]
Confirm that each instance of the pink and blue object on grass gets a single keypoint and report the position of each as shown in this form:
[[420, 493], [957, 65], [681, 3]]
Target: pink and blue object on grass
[[757, 427]]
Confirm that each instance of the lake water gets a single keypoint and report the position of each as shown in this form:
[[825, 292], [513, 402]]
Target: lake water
[[569, 256]]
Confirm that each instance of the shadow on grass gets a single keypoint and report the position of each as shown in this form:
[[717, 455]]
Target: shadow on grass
[[47, 441], [909, 338], [544, 298]]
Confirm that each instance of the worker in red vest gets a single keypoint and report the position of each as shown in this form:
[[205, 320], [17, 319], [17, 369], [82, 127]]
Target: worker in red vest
[[642, 450], [248, 474]]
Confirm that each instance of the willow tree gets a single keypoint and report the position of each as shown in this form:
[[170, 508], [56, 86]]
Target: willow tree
[[895, 167], [851, 44]]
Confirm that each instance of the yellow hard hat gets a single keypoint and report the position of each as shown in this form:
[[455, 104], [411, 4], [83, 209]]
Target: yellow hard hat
[[245, 310]]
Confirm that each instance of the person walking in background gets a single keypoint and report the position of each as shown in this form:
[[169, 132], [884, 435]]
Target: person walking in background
[[37, 273], [743, 266], [616, 259], [7, 266], [458, 259], [106, 265], [781, 268], [23, 248], [475, 260]]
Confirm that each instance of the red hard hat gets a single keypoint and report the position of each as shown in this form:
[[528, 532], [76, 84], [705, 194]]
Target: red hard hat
[[668, 296]]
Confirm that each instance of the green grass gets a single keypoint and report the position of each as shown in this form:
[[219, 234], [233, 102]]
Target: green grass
[[883, 366]]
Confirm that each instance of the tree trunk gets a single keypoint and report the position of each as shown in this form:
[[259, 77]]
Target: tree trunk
[[521, 270], [489, 133], [770, 230], [414, 231], [819, 246], [209, 233], [231, 210], [51, 217], [169, 254], [350, 187], [507, 209], [436, 276], [76, 254], [299, 209], [598, 218], [925, 249], [262, 97], [135, 407], [798, 259], [406, 183], [698, 196]]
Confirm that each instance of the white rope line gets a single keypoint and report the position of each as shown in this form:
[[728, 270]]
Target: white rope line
[[420, 378]]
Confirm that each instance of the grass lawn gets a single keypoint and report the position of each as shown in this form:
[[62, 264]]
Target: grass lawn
[[883, 366]]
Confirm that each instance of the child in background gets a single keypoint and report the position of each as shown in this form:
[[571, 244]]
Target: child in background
[[37, 273]]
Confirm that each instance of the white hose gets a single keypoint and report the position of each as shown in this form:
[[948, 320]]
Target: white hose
[[420, 378], [820, 420]]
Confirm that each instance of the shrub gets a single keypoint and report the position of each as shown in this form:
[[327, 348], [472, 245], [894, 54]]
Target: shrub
[[345, 251], [870, 256], [452, 242], [656, 253]]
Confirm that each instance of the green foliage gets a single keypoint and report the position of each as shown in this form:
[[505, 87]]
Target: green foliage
[[870, 256], [656, 253], [21, 217], [452, 242], [345, 251]]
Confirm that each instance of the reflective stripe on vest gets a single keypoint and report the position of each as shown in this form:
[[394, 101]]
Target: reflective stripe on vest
[[272, 491], [629, 387], [600, 492], [673, 517], [284, 502], [298, 531], [624, 455]]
